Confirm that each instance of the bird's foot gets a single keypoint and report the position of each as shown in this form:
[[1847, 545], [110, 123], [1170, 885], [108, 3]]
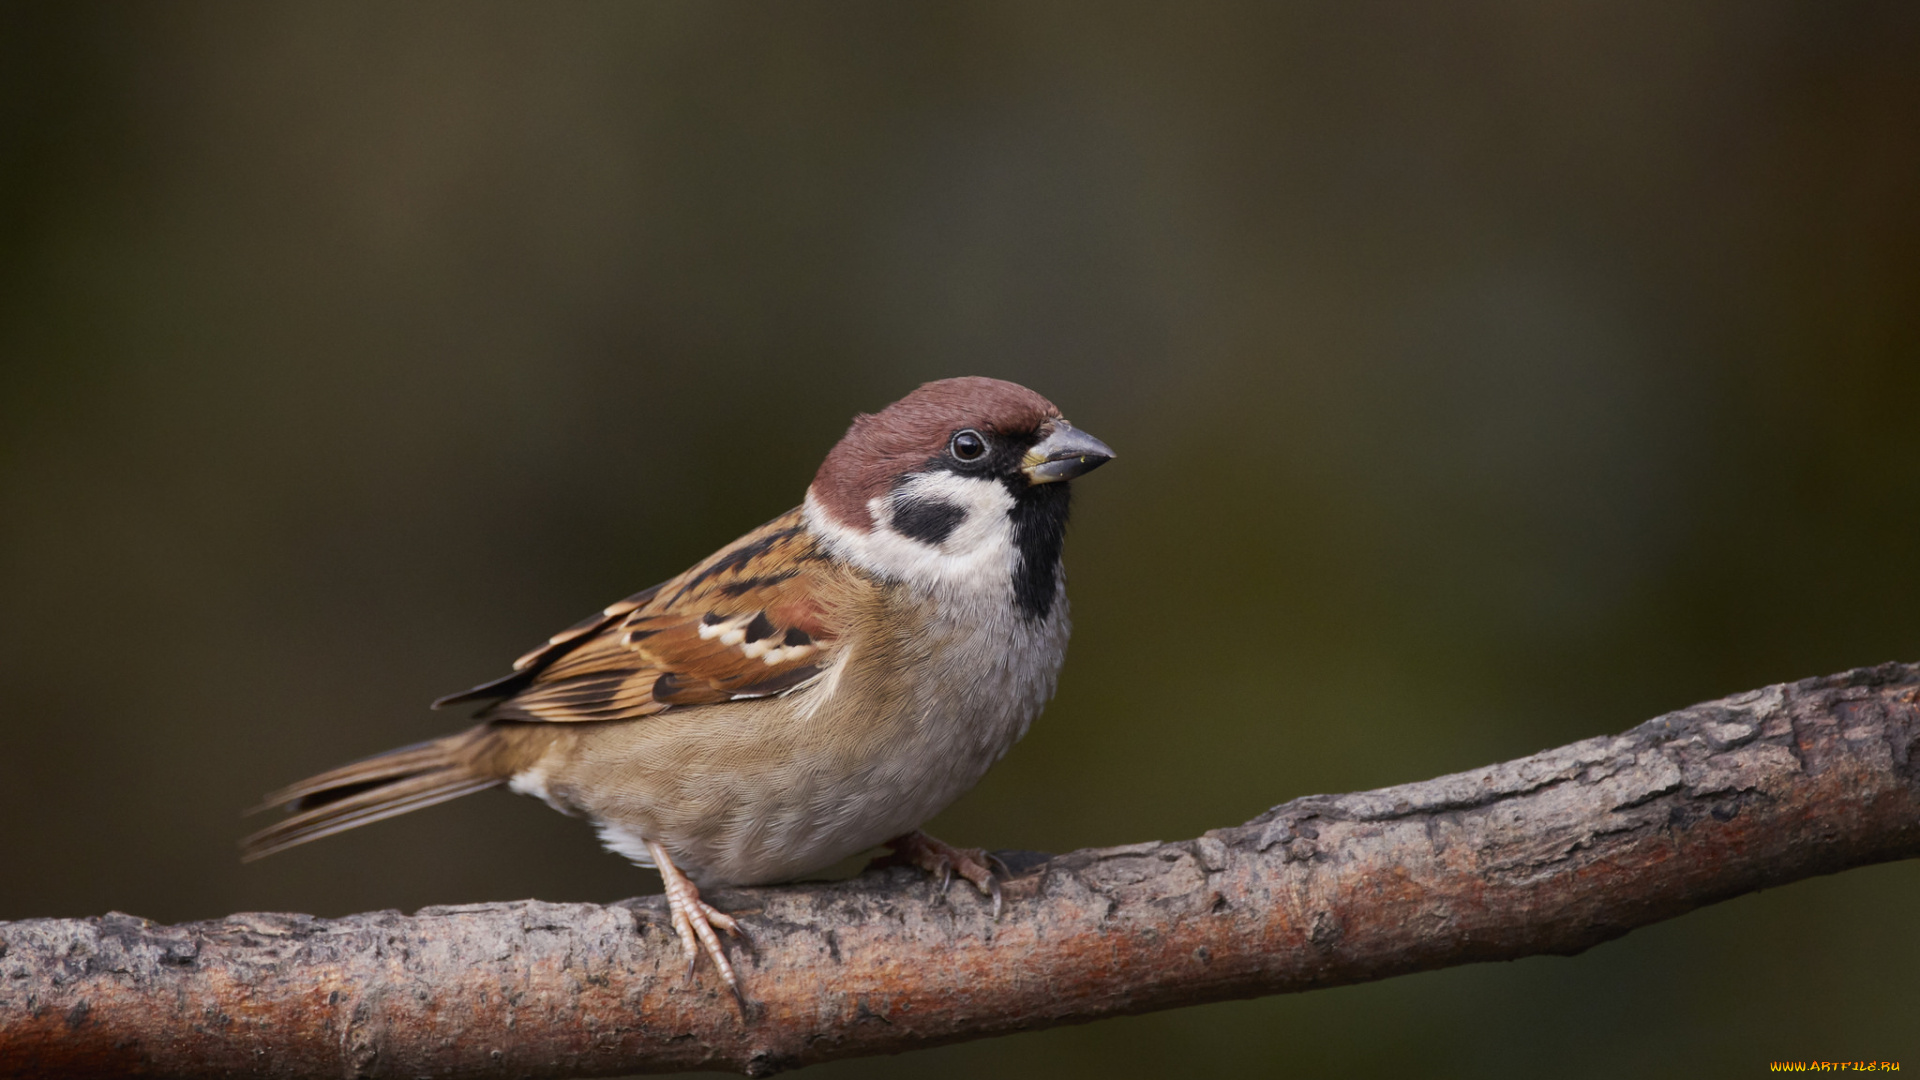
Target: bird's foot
[[943, 860], [694, 921]]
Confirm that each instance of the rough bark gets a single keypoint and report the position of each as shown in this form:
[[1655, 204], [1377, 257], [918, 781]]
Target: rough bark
[[1552, 853]]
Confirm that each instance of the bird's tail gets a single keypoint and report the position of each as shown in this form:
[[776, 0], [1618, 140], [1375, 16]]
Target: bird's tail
[[392, 783]]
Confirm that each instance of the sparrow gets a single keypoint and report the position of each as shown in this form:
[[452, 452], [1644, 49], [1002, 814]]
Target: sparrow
[[817, 688]]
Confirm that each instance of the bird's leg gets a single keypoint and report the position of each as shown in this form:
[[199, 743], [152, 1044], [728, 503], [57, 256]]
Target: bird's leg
[[694, 920], [943, 860]]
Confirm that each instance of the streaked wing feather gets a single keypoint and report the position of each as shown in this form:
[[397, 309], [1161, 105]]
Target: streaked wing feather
[[750, 621], [527, 667]]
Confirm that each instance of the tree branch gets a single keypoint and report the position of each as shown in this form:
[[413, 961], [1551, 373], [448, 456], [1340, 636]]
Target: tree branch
[[1552, 853]]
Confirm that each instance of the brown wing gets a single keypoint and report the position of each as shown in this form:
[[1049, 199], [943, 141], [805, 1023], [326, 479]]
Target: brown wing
[[751, 621]]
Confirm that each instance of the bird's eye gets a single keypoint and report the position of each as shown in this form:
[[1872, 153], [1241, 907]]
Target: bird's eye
[[967, 445]]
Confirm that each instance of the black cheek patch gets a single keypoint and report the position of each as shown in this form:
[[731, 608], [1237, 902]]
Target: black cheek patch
[[930, 521]]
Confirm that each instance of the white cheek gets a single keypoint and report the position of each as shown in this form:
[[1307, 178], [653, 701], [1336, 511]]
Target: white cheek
[[988, 505], [977, 556]]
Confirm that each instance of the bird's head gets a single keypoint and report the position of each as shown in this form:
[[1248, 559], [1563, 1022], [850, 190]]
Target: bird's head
[[962, 479]]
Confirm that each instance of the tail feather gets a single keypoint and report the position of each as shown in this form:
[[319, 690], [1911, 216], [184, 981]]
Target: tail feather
[[338, 783], [383, 786], [362, 809]]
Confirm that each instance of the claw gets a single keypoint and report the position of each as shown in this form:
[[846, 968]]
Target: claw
[[942, 859], [694, 920], [745, 938]]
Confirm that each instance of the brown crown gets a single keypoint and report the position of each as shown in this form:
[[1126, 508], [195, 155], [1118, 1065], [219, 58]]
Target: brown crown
[[900, 438]]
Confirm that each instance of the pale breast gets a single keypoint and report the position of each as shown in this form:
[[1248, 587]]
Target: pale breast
[[925, 698]]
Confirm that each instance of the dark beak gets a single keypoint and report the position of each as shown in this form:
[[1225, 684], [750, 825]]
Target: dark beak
[[1064, 454]]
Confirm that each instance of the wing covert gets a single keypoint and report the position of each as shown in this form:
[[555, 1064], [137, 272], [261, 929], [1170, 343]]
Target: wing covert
[[753, 620]]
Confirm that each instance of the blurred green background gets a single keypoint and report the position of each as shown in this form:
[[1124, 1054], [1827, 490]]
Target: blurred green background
[[1485, 376]]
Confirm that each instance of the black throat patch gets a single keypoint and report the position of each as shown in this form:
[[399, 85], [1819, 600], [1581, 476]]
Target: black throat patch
[[1039, 532]]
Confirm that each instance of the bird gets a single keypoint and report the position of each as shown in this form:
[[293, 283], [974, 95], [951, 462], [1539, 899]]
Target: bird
[[818, 688]]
